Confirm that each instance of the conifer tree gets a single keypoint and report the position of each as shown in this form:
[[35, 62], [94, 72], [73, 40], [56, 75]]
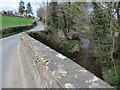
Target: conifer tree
[[21, 9], [29, 9]]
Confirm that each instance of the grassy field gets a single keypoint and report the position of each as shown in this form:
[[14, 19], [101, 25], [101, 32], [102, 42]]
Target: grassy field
[[8, 21]]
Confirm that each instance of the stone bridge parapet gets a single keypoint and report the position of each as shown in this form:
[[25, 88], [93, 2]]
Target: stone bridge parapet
[[53, 70]]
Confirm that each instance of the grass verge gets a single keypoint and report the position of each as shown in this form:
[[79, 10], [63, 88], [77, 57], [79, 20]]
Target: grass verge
[[10, 34], [9, 21]]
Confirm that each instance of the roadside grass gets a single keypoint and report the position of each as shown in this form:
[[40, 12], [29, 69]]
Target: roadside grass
[[12, 33], [9, 21], [8, 34]]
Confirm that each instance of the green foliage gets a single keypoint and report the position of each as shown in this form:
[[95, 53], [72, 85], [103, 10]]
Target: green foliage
[[69, 14], [52, 16], [12, 33], [66, 16], [103, 41], [34, 35], [8, 34], [112, 76], [69, 46], [63, 47], [8, 21], [98, 22]]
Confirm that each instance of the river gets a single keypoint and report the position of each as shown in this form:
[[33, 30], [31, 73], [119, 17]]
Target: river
[[86, 59]]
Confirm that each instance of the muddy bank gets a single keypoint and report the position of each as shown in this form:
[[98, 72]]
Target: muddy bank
[[77, 50]]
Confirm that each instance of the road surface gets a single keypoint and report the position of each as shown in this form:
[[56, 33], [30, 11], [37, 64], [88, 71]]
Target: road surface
[[15, 72], [38, 27]]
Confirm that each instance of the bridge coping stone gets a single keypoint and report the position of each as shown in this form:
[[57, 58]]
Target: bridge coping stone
[[58, 71]]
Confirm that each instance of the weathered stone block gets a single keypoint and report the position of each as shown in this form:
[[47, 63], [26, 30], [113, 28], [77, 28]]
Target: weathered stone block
[[53, 70]]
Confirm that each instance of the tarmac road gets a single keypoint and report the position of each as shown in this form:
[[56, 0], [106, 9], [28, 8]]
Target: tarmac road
[[15, 72]]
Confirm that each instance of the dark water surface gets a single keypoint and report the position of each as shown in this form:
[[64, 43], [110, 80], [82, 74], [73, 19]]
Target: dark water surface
[[86, 59]]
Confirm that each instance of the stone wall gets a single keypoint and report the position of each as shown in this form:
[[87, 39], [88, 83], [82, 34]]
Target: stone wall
[[53, 70]]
